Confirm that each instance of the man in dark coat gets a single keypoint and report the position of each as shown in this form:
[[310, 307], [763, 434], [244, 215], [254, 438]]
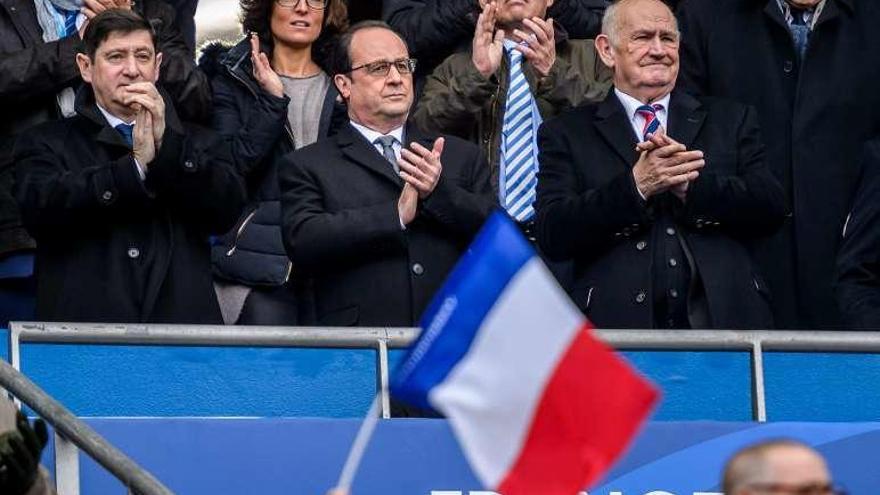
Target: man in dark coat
[[655, 220], [808, 67], [33, 72], [122, 197], [378, 224]]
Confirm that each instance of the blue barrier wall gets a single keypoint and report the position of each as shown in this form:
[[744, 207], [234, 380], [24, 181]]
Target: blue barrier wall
[[156, 381]]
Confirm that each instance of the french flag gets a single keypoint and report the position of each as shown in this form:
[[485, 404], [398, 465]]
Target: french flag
[[538, 405]]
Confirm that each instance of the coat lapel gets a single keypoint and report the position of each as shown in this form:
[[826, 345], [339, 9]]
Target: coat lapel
[[614, 126], [356, 148], [686, 118]]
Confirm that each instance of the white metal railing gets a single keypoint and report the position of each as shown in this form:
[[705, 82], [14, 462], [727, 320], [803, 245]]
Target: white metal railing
[[383, 339]]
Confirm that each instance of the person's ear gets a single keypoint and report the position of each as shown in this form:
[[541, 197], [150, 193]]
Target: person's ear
[[85, 67], [158, 67], [604, 49], [343, 85]]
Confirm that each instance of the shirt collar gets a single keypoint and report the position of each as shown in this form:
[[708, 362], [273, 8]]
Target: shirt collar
[[112, 119], [372, 135], [631, 104]]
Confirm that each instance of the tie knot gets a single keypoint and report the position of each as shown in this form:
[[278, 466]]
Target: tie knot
[[651, 110], [127, 131], [514, 55], [385, 141]]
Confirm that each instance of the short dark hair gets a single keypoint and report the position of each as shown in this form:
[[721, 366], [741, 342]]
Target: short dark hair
[[342, 58], [112, 21]]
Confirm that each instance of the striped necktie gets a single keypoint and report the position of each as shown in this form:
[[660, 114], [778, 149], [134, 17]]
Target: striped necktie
[[518, 147], [652, 123], [69, 21]]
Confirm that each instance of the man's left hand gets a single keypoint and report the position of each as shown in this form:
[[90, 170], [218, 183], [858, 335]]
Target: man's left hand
[[538, 44], [421, 167], [146, 96], [658, 140]]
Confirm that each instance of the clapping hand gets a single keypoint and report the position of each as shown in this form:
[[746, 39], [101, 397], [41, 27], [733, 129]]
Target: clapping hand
[[488, 45], [538, 45], [420, 167], [666, 165], [263, 72]]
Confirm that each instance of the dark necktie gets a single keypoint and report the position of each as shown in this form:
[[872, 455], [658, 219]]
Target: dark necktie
[[652, 123], [127, 132], [387, 143], [800, 32]]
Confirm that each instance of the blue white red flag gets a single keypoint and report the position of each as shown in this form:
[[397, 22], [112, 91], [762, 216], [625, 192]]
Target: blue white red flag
[[538, 405]]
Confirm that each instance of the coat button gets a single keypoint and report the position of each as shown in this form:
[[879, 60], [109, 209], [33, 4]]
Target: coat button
[[673, 293], [673, 262], [134, 252], [418, 269], [670, 231], [788, 66], [641, 245], [107, 196], [640, 297], [189, 165]]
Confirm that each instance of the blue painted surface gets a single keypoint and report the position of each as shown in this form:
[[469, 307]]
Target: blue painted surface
[[413, 457], [154, 381]]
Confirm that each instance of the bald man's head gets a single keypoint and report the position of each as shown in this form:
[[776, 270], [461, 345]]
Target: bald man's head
[[780, 463]]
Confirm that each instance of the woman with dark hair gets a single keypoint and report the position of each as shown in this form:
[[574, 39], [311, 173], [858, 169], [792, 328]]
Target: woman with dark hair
[[271, 96]]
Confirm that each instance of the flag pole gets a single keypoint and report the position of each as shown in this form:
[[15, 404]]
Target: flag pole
[[361, 441]]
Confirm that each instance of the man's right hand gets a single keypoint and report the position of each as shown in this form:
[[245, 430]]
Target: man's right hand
[[408, 204], [488, 46], [665, 167], [144, 142]]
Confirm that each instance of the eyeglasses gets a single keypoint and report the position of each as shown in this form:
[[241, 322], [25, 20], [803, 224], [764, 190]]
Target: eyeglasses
[[382, 68], [808, 489], [313, 4]]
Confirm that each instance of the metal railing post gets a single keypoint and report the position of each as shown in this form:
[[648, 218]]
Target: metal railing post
[[759, 403], [66, 466], [382, 378]]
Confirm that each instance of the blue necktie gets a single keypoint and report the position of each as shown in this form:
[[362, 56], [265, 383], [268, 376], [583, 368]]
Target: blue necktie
[[127, 132], [517, 147], [652, 123], [800, 32], [69, 21]]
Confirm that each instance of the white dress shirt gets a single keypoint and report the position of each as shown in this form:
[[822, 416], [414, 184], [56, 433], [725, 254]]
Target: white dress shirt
[[372, 136], [115, 121], [636, 119]]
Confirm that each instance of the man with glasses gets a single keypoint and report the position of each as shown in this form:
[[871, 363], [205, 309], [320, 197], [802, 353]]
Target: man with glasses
[[780, 467], [378, 214]]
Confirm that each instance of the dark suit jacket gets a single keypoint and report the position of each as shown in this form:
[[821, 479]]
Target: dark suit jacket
[[341, 227], [589, 209], [858, 262], [111, 247], [815, 116]]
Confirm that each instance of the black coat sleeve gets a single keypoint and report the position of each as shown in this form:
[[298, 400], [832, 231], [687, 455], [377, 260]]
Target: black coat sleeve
[[188, 86], [582, 19], [462, 204], [745, 204], [693, 76], [252, 125], [432, 28], [572, 221], [857, 286], [194, 172], [316, 237], [39, 69], [54, 194]]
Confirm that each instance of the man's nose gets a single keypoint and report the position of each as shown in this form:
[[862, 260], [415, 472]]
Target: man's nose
[[394, 75], [131, 67]]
